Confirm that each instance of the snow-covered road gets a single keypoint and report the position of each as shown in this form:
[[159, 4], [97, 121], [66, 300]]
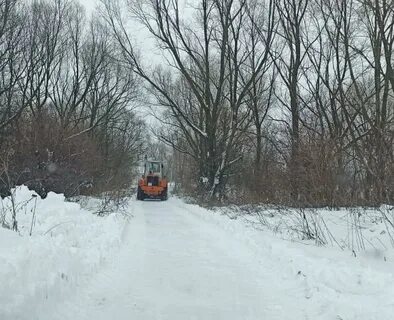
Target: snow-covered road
[[177, 264], [174, 265]]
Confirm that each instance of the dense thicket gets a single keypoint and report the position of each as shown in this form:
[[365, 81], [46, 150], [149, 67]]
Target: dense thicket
[[66, 101], [286, 101]]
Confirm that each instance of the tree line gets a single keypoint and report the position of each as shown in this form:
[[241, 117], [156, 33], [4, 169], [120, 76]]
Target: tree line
[[67, 100], [279, 101]]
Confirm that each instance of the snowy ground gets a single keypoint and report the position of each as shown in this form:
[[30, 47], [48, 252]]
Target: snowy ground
[[67, 246], [363, 231], [180, 261]]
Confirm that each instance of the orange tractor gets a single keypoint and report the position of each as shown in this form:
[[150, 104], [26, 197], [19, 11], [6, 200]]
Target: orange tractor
[[153, 184]]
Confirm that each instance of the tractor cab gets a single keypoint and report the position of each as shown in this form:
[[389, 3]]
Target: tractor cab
[[153, 184], [154, 168]]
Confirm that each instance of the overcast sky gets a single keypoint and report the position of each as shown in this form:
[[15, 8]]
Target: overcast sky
[[89, 4]]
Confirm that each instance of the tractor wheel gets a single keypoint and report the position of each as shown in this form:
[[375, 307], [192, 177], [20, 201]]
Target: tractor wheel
[[140, 194], [164, 196]]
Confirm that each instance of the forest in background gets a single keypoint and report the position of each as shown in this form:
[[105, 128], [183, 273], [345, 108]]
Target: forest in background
[[266, 101], [67, 119]]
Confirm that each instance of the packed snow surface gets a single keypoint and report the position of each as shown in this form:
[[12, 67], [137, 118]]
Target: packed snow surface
[[180, 261]]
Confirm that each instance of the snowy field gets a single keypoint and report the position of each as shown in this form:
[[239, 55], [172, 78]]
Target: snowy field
[[174, 260]]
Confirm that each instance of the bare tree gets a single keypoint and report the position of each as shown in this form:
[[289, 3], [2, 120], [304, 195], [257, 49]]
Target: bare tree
[[12, 66], [208, 57], [289, 65], [66, 109]]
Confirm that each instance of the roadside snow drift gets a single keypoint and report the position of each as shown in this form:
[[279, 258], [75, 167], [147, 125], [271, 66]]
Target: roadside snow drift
[[66, 245]]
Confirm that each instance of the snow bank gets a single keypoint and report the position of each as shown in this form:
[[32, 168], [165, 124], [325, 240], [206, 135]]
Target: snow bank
[[67, 244], [363, 231], [335, 283]]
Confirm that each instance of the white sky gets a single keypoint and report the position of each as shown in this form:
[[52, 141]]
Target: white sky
[[89, 4]]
